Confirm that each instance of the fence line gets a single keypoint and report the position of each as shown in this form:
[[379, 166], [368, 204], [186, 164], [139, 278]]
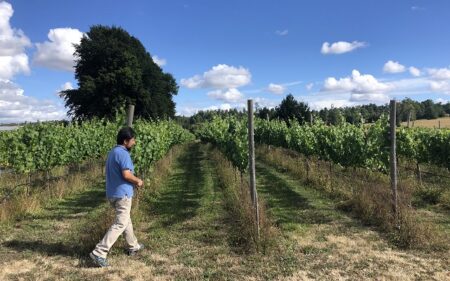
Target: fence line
[[424, 172], [325, 162]]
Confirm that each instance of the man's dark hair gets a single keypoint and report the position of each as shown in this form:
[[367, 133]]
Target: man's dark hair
[[126, 133]]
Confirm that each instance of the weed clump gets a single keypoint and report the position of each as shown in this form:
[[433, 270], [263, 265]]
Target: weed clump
[[241, 211]]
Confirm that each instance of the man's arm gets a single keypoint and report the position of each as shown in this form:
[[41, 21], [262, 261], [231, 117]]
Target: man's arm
[[128, 176]]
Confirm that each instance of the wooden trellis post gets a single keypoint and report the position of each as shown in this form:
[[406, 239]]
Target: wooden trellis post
[[251, 163], [130, 115], [393, 159]]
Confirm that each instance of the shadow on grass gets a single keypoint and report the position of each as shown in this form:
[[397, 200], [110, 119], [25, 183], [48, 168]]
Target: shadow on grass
[[180, 199], [46, 248], [42, 239], [285, 204], [70, 207], [51, 249]]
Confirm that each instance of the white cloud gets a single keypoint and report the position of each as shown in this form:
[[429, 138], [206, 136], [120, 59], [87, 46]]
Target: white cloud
[[194, 82], [370, 97], [186, 110], [191, 110], [220, 76], [343, 84], [263, 102], [265, 89], [58, 52], [15, 107], [309, 86], [223, 106], [230, 95], [355, 89], [64, 87], [13, 42], [356, 83], [328, 103], [439, 73], [276, 88], [159, 61], [440, 86], [12, 65], [341, 47], [440, 100], [439, 80], [362, 87], [393, 67], [414, 71], [410, 85], [282, 32]]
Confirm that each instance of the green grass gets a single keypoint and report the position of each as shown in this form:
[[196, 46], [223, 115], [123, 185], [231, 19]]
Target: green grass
[[181, 197], [46, 232], [189, 234], [292, 205], [188, 217]]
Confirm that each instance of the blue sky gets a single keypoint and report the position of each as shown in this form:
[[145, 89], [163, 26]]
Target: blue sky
[[326, 53]]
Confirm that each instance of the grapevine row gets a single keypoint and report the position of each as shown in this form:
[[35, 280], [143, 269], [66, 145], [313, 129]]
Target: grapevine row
[[358, 146], [347, 145], [44, 146], [230, 136]]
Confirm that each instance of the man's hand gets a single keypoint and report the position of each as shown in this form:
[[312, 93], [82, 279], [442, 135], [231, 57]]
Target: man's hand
[[128, 176]]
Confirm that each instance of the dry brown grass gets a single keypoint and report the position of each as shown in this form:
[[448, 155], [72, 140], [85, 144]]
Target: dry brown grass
[[445, 199], [62, 268], [237, 195], [444, 122], [364, 256], [365, 194], [30, 199], [372, 206], [430, 183], [353, 256]]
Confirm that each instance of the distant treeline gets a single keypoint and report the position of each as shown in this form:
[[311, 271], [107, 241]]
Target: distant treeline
[[289, 108]]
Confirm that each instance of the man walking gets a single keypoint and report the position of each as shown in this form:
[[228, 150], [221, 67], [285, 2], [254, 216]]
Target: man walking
[[119, 191]]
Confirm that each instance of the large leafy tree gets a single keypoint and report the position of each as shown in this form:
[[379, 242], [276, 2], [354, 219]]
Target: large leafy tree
[[113, 69]]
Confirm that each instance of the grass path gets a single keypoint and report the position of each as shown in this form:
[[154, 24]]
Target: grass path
[[39, 247], [334, 246], [187, 227]]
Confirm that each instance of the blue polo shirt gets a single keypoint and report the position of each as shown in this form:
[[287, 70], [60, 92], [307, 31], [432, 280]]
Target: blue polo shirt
[[118, 160]]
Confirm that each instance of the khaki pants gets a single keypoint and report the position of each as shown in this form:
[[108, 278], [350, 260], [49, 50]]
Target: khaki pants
[[122, 224]]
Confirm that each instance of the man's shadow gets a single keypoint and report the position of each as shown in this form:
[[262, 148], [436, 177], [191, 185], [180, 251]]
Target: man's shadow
[[51, 249]]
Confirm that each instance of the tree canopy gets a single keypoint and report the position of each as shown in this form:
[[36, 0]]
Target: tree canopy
[[113, 69], [289, 108], [368, 113]]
